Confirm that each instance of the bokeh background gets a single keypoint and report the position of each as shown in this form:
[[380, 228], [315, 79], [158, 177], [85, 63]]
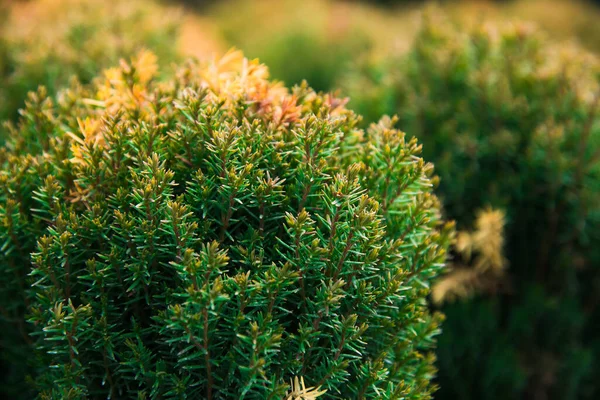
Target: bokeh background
[[504, 96]]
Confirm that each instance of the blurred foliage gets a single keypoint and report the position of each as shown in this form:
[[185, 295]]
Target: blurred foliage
[[387, 2], [561, 19], [312, 40], [198, 4], [297, 41], [480, 263], [46, 42], [316, 39], [511, 120]]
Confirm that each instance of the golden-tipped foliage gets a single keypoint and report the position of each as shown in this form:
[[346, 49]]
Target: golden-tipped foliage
[[481, 261], [299, 391]]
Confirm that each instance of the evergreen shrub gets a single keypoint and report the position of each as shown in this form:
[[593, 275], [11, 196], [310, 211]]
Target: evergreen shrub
[[511, 121], [216, 235]]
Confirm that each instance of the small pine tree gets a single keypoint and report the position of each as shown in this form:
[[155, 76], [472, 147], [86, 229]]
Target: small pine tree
[[217, 236]]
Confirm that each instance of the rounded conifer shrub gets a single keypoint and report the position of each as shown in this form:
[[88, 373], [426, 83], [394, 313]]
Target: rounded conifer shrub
[[217, 236], [512, 121]]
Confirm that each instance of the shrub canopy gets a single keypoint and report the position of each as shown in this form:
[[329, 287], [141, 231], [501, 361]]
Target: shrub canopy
[[214, 236]]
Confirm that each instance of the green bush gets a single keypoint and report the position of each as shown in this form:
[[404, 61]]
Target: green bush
[[215, 236], [513, 122], [46, 42]]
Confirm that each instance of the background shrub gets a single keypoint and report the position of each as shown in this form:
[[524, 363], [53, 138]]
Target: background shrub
[[214, 236], [317, 40], [298, 41], [511, 121]]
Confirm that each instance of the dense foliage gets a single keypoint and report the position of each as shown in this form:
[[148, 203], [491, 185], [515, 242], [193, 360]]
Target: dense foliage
[[215, 236], [46, 42], [513, 122]]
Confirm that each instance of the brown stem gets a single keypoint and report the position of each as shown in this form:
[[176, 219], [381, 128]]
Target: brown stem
[[227, 217], [261, 218], [68, 279], [108, 374], [301, 275], [304, 196], [338, 268], [207, 356], [336, 217]]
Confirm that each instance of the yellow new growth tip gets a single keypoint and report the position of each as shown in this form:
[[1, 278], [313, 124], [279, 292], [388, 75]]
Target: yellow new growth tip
[[301, 392]]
